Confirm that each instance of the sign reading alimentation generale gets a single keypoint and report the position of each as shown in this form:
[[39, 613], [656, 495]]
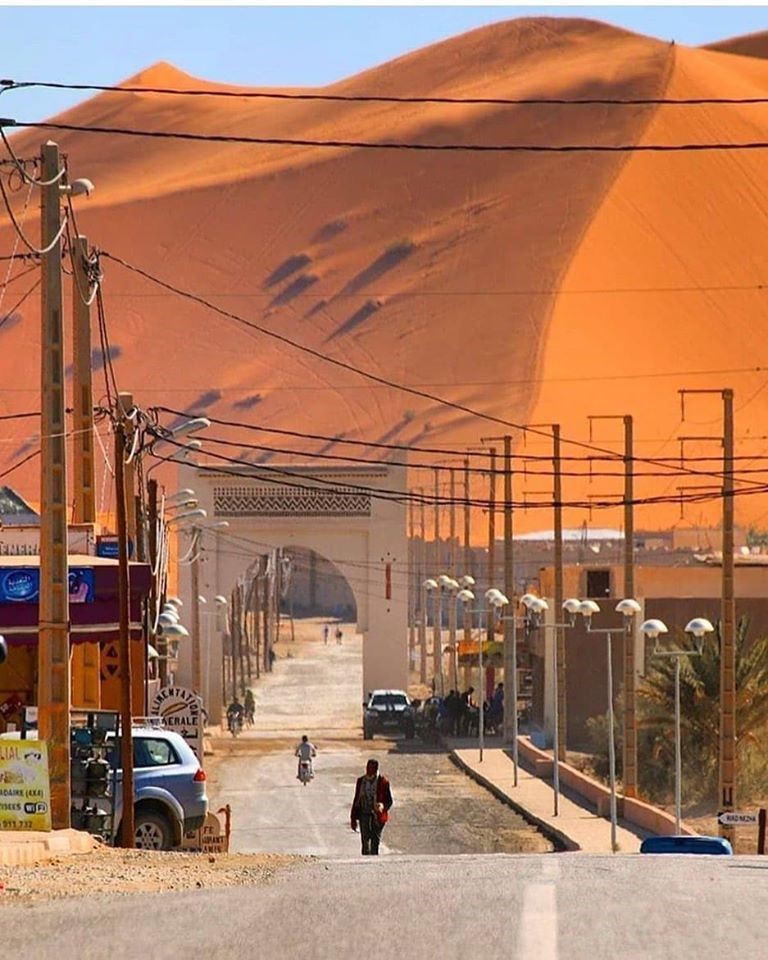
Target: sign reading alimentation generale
[[25, 789], [182, 711]]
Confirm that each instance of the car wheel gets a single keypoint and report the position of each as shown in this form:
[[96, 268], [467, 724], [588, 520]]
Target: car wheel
[[152, 831]]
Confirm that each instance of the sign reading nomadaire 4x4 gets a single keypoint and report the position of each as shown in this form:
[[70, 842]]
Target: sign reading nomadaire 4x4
[[25, 790], [182, 711]]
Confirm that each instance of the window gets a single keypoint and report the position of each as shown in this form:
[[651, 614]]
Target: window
[[598, 583], [150, 752]]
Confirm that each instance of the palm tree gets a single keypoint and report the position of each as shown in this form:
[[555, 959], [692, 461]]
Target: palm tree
[[700, 711]]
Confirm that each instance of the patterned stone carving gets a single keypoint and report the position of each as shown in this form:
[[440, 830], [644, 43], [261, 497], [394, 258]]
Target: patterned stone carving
[[289, 501]]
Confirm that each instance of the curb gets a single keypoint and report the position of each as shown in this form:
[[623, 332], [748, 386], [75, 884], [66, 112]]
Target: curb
[[24, 849], [562, 842]]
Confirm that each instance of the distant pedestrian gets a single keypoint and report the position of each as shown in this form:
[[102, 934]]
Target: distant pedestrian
[[338, 635], [326, 631], [370, 807]]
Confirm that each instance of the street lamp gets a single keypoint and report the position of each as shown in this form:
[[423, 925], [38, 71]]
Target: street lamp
[[452, 586], [698, 628], [427, 587], [495, 600], [628, 608]]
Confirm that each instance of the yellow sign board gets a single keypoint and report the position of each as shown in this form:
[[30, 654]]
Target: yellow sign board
[[25, 788]]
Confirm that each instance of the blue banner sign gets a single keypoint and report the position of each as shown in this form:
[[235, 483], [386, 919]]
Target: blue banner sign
[[22, 585]]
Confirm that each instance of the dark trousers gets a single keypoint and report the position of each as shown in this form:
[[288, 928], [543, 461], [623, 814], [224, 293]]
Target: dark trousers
[[370, 834]]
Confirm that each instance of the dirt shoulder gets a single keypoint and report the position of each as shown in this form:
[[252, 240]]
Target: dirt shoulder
[[113, 872]]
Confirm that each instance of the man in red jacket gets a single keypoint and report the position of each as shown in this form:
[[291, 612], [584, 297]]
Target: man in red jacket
[[370, 808]]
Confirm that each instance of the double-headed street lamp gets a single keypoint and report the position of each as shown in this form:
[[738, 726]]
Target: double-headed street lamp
[[496, 600], [698, 628], [536, 606], [628, 608]]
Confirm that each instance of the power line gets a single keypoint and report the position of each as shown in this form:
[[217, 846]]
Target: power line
[[391, 144], [384, 98]]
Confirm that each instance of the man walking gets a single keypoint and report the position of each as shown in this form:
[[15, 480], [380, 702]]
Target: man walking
[[370, 807]]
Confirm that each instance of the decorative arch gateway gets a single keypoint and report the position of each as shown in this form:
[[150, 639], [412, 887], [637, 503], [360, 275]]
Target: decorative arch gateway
[[334, 511]]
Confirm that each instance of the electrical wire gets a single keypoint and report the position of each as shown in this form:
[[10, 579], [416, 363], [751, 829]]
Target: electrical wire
[[391, 144], [382, 98], [20, 167], [7, 316], [27, 243], [20, 463]]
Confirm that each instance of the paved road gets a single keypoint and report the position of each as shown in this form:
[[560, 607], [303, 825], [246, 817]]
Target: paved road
[[316, 690], [555, 907]]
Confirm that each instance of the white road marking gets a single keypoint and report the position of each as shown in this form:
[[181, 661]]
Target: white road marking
[[537, 937]]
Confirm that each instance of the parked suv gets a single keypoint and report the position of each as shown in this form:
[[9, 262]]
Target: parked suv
[[168, 787], [385, 710]]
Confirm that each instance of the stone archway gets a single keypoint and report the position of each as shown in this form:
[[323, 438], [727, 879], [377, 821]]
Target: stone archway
[[333, 511]]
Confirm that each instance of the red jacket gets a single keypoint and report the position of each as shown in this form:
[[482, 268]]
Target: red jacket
[[383, 796]]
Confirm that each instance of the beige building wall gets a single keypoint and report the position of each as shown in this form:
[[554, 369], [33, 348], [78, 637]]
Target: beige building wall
[[327, 510]]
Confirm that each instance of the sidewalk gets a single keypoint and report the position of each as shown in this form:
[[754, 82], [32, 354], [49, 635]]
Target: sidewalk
[[576, 827], [24, 847]]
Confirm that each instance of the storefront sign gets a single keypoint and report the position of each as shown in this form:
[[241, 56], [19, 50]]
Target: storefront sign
[[22, 584], [182, 712], [108, 546], [25, 791]]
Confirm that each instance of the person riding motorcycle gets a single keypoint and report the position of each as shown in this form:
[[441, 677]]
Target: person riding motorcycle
[[235, 713], [305, 751]]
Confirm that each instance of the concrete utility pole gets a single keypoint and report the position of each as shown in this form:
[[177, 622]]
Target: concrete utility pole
[[629, 763], [509, 731], [727, 764], [437, 633], [453, 642], [727, 745], [124, 404], [559, 633], [412, 580], [82, 387], [422, 590], [467, 544], [154, 598], [491, 547], [54, 682], [194, 574]]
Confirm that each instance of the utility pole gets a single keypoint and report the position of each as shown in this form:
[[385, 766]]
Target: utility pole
[[452, 572], [727, 764], [727, 747], [194, 572], [467, 545], [509, 731], [256, 611], [491, 547], [412, 576], [154, 598], [54, 682], [124, 403], [559, 632], [422, 590], [630, 677], [437, 633], [82, 387]]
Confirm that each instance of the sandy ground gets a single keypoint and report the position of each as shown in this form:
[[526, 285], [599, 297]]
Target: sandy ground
[[113, 872]]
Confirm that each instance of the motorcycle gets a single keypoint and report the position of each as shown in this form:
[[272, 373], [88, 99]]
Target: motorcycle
[[235, 723], [305, 771]]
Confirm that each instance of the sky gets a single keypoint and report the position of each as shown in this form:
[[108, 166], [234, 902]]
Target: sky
[[278, 46]]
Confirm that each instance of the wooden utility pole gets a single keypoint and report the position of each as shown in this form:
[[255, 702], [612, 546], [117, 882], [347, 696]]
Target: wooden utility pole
[[437, 568], [727, 765], [54, 683], [256, 610], [452, 521], [559, 632], [126, 693], [82, 387]]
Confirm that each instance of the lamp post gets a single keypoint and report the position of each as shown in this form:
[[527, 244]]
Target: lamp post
[[496, 600], [698, 628], [628, 608]]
